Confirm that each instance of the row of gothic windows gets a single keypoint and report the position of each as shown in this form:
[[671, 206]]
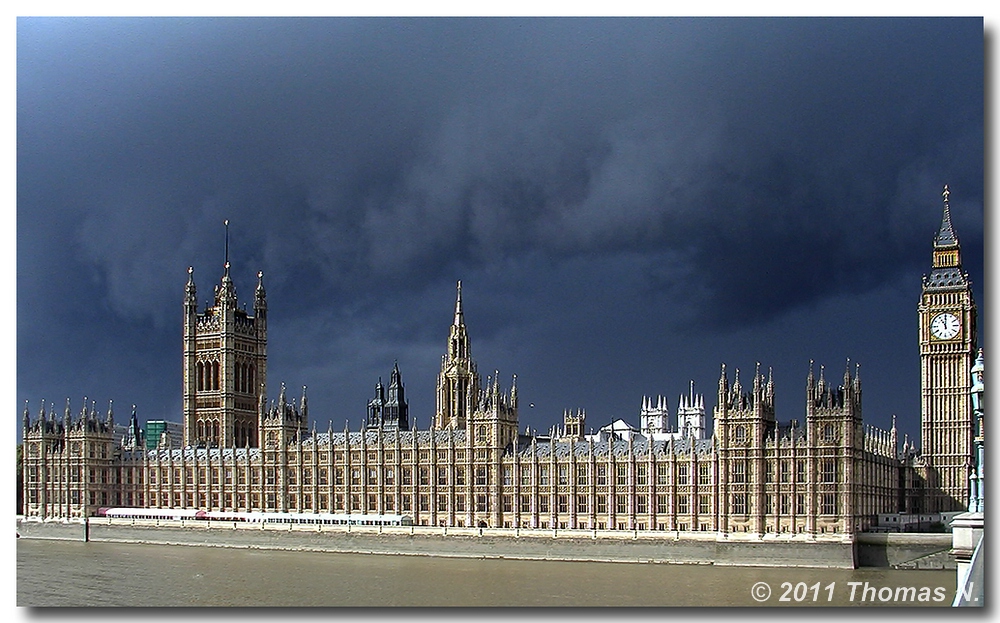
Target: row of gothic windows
[[244, 434], [245, 373], [208, 433], [207, 376]]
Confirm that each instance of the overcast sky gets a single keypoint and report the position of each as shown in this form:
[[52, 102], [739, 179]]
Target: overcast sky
[[629, 203]]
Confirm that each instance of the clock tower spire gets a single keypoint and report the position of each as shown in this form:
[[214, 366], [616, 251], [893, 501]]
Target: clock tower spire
[[948, 341]]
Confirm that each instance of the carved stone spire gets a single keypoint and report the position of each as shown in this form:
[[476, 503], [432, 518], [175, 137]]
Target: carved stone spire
[[260, 296], [723, 399], [191, 293], [893, 435], [459, 316]]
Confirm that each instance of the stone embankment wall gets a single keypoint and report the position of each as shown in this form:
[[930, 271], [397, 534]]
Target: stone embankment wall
[[58, 530], [906, 551], [579, 545]]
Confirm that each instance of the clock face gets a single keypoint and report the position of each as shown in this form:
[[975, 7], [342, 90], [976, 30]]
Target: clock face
[[945, 326]]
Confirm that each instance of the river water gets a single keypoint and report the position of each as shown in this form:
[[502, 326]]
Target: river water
[[69, 573]]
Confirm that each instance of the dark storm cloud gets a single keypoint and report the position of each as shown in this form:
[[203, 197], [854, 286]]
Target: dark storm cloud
[[729, 171]]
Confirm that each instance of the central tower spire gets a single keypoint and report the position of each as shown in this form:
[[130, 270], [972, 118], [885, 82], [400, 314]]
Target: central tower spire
[[458, 382]]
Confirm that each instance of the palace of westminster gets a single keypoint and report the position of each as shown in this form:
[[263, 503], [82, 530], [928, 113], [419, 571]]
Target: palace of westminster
[[473, 467]]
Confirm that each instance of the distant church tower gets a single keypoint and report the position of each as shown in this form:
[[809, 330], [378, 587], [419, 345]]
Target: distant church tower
[[654, 417], [691, 415], [225, 365], [947, 349], [458, 382]]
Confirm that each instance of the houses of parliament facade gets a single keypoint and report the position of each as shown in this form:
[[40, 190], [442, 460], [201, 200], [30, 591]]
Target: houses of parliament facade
[[830, 474]]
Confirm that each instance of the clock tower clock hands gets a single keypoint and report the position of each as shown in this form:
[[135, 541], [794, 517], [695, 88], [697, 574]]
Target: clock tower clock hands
[[945, 326]]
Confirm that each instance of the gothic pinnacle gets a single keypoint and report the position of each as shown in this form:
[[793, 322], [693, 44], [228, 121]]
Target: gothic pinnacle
[[459, 316]]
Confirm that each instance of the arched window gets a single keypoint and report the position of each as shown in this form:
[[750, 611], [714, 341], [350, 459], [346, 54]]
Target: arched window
[[201, 376], [251, 386], [828, 433], [215, 375], [201, 431]]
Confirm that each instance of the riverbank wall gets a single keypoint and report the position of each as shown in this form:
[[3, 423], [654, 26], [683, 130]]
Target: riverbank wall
[[821, 551]]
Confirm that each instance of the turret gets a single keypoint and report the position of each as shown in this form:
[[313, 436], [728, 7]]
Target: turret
[[376, 406], [893, 436], [396, 411], [190, 295], [513, 392], [260, 298], [396, 391], [133, 436]]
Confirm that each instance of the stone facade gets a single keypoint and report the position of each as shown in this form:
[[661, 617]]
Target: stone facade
[[830, 474]]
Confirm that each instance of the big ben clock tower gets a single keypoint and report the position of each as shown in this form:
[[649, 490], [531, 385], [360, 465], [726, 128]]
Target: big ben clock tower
[[947, 349]]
